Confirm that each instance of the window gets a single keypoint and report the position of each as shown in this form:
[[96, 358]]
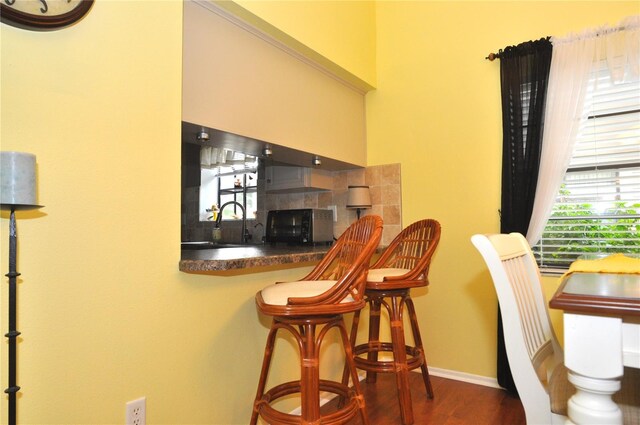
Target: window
[[228, 176], [597, 209]]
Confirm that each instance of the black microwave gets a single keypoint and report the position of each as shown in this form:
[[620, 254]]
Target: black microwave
[[300, 226]]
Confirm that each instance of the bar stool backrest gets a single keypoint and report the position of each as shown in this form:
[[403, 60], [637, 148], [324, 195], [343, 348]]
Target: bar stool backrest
[[348, 259], [412, 249]]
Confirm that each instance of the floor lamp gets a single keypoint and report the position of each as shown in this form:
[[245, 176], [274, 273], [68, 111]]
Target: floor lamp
[[17, 192]]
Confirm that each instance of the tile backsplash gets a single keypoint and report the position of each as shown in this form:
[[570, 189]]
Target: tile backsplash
[[384, 182]]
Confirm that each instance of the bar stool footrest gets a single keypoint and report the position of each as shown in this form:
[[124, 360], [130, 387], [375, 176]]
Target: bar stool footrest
[[415, 357], [343, 415]]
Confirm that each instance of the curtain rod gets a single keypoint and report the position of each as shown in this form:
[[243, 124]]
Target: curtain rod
[[629, 23], [493, 56]]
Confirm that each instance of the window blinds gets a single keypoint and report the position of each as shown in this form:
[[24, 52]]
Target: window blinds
[[597, 209]]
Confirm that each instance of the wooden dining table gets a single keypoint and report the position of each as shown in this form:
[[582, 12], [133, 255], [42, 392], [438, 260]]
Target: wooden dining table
[[601, 313]]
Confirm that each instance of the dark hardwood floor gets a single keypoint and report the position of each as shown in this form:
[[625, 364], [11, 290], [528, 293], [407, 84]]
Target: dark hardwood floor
[[455, 403]]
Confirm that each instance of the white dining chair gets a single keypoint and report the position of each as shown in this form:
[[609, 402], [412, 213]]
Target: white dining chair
[[535, 357]]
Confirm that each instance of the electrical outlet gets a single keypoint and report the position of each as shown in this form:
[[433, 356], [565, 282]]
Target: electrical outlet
[[137, 412]]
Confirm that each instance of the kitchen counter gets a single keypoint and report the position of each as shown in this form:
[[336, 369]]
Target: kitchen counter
[[249, 256]]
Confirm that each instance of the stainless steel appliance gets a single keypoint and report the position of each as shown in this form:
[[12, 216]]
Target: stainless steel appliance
[[300, 226]]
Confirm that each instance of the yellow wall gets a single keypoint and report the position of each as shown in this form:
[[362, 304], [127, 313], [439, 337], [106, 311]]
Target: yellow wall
[[343, 31], [106, 317], [436, 111]]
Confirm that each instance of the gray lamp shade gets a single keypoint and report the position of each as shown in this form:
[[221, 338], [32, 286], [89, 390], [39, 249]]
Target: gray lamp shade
[[18, 180], [359, 197]]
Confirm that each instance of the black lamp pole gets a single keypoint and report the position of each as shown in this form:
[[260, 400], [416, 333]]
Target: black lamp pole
[[13, 333], [17, 192]]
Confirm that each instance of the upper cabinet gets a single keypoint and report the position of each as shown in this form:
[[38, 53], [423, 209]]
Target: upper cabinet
[[283, 179]]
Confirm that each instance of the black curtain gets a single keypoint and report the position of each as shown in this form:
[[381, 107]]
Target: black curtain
[[524, 76]]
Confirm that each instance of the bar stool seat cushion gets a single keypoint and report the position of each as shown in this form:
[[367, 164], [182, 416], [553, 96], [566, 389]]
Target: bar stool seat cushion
[[378, 275], [279, 293]]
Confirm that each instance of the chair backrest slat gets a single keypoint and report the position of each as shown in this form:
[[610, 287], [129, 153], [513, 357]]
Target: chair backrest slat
[[533, 325]]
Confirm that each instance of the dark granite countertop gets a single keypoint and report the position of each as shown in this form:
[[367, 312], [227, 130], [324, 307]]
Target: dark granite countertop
[[249, 256]]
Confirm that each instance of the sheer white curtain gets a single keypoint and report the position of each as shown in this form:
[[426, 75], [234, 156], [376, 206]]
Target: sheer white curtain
[[571, 63]]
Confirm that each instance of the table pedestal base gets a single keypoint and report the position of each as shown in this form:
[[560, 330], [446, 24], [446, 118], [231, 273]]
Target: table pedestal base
[[592, 402]]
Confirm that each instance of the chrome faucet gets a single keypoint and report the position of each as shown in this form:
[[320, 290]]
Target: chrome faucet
[[245, 232]]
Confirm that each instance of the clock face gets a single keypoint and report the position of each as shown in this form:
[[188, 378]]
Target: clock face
[[43, 15]]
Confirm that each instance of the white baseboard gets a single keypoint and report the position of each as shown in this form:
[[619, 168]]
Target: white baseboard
[[435, 371], [463, 376]]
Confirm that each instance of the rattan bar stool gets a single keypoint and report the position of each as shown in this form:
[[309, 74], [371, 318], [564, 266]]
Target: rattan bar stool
[[308, 309], [402, 266]]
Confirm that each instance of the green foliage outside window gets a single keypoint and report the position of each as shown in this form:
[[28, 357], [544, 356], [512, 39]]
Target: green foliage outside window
[[579, 229]]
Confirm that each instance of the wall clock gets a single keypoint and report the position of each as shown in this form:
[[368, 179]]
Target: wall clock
[[43, 15]]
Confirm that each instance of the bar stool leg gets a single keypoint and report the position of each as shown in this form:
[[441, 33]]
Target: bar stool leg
[[266, 362], [310, 375], [374, 335], [354, 328], [350, 363], [400, 359], [418, 344], [352, 344]]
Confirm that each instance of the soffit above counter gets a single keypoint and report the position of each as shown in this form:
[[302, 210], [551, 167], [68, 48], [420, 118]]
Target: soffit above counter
[[235, 81], [281, 155]]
